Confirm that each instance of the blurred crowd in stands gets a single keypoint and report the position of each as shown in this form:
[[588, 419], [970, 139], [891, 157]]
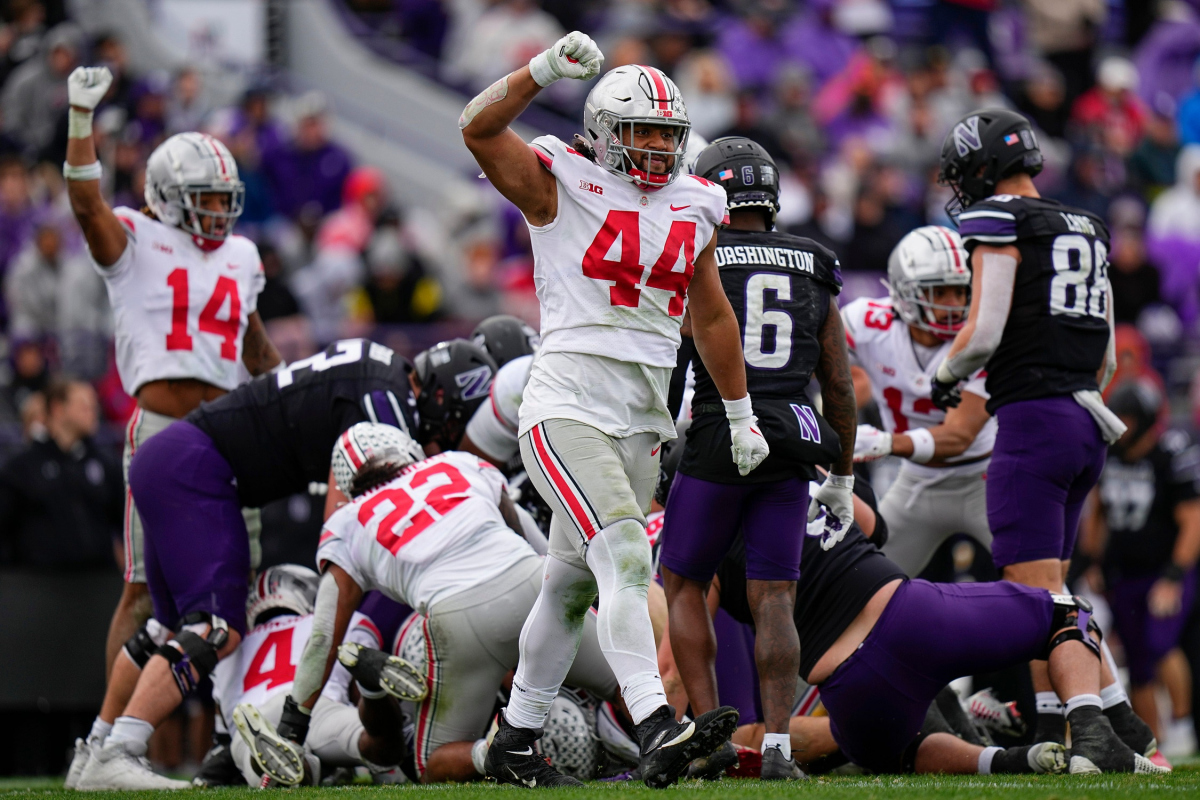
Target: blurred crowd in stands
[[852, 97]]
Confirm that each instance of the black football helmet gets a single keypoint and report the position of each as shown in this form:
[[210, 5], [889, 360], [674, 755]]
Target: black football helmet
[[1139, 400], [504, 337], [455, 378], [745, 170], [983, 147]]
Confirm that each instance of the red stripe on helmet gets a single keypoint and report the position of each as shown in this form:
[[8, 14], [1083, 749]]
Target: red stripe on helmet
[[351, 451], [660, 86], [217, 153], [950, 243]]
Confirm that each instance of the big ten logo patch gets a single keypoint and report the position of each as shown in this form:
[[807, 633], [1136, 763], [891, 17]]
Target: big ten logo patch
[[588, 186]]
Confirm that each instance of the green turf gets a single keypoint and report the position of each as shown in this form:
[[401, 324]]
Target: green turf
[[1184, 782]]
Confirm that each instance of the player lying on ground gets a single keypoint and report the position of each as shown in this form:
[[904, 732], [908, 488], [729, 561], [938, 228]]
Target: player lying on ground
[[184, 293], [881, 647], [251, 686], [896, 344], [594, 412], [439, 535], [266, 440]]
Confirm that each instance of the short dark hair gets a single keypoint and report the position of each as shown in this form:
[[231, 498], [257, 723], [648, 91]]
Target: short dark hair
[[58, 389]]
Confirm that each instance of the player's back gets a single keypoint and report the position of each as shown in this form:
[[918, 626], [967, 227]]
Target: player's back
[[278, 430], [1057, 331], [780, 288], [433, 531], [180, 312]]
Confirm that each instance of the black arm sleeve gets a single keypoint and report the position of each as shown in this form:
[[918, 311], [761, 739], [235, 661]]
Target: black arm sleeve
[[687, 351]]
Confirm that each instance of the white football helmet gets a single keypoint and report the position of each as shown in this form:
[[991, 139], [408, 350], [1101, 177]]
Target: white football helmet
[[367, 440], [927, 257], [179, 171], [283, 587], [570, 739], [629, 95]]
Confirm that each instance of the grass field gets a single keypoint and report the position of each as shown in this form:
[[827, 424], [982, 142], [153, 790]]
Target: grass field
[[1184, 782]]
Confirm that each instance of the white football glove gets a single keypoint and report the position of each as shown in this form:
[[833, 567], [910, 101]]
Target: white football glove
[[573, 56], [749, 447], [87, 85], [870, 444], [837, 495]]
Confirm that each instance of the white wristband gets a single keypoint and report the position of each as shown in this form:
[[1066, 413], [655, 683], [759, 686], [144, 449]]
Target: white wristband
[[738, 409], [922, 442], [87, 172], [79, 123], [539, 67]]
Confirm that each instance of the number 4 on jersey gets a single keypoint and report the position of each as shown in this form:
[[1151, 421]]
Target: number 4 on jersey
[[278, 645], [626, 271], [227, 329]]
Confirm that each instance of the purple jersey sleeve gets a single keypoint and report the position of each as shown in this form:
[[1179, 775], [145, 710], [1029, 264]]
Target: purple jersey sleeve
[[987, 223]]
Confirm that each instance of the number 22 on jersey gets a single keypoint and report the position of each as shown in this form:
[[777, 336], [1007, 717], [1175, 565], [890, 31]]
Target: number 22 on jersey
[[626, 271], [409, 516], [208, 322]]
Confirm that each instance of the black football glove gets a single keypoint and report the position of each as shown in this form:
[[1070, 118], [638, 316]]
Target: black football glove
[[293, 723], [946, 395]]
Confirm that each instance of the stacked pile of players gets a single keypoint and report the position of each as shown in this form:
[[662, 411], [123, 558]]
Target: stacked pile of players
[[486, 536]]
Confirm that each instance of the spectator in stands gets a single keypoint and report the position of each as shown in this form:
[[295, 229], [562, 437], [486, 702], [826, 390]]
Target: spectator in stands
[[1111, 108], [16, 210], [1134, 279], [62, 497], [876, 233], [148, 125], [110, 51], [1065, 33], [309, 169], [35, 95], [1043, 99], [488, 41], [22, 37], [1151, 167], [187, 107], [810, 38], [1173, 236], [399, 288], [55, 294]]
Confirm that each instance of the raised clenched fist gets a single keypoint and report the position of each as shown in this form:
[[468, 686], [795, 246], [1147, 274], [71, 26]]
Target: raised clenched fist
[[573, 56], [87, 85]]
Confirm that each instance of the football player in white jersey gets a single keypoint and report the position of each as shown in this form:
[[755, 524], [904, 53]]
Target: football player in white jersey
[[184, 292], [252, 684], [896, 343], [623, 242], [440, 535]]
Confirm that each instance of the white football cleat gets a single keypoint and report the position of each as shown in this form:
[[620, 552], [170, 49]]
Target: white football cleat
[[280, 760], [112, 767], [83, 754]]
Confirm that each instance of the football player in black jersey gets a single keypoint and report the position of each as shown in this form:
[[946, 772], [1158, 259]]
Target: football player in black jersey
[[1041, 322], [782, 289], [266, 440], [1150, 509]]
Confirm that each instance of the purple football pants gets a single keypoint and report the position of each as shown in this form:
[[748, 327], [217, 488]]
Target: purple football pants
[[929, 634], [703, 518], [197, 548], [1048, 455], [1147, 638]]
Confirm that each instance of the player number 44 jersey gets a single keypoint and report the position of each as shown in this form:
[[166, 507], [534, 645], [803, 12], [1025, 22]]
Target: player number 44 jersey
[[180, 312], [433, 531], [612, 270], [880, 343]]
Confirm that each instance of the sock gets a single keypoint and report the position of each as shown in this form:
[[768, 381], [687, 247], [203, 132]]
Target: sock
[[1051, 724], [1082, 701], [549, 641], [478, 753], [781, 740], [985, 760], [1112, 694], [132, 734], [99, 732], [368, 694], [619, 557]]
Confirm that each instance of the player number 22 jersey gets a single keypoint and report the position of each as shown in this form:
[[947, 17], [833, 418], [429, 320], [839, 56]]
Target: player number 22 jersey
[[433, 531], [180, 312]]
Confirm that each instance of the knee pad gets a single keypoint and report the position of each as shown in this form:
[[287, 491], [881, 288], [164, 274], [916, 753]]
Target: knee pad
[[1074, 614], [146, 641], [189, 650]]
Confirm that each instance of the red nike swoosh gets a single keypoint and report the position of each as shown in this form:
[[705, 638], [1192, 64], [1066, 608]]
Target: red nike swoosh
[[654, 452], [680, 208]]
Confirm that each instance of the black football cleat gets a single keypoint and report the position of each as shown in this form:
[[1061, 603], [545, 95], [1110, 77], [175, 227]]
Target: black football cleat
[[1096, 748], [777, 768], [713, 767], [1132, 730], [218, 767], [376, 671], [667, 746], [512, 758]]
